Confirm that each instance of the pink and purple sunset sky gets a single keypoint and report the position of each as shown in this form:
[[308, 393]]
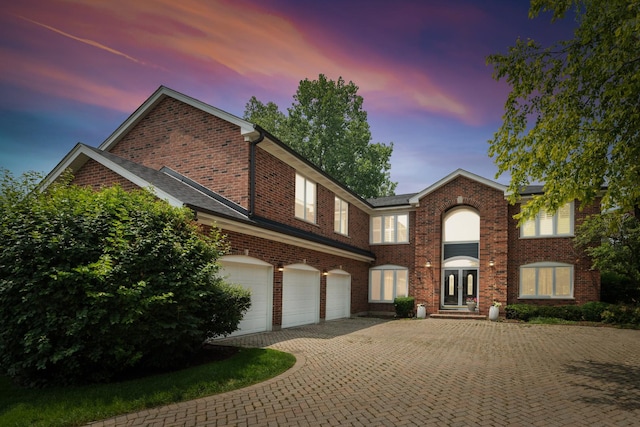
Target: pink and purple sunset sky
[[74, 70]]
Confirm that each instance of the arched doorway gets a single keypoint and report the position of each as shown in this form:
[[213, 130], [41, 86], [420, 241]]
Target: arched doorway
[[460, 241]]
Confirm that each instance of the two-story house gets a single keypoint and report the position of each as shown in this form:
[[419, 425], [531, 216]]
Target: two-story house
[[308, 248]]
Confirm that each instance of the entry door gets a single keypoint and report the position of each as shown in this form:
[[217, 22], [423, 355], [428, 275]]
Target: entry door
[[458, 285]]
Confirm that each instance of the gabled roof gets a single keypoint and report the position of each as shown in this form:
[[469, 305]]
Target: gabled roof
[[179, 190], [456, 174], [165, 184], [246, 128]]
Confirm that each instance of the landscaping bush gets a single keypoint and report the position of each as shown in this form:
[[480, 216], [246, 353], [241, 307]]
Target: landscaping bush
[[94, 283], [404, 306], [592, 311], [622, 314], [616, 288], [522, 312]]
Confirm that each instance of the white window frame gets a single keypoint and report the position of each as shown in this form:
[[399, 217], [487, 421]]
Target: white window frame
[[537, 267], [388, 235], [536, 224], [392, 273], [307, 205], [341, 216]]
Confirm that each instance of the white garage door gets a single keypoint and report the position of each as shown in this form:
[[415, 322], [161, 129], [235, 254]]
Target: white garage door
[[338, 295], [257, 276], [300, 295]]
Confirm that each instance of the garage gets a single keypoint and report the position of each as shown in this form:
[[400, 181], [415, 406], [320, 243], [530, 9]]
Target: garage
[[338, 295], [300, 295], [256, 276]]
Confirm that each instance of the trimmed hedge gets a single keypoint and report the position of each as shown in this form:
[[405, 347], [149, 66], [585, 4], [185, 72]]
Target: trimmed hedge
[[404, 306], [567, 312], [591, 311]]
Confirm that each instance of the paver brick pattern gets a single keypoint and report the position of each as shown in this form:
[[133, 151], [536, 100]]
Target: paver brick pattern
[[373, 372]]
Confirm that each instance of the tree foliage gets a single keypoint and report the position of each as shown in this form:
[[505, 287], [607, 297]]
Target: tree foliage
[[612, 240], [572, 119], [93, 283], [327, 125]]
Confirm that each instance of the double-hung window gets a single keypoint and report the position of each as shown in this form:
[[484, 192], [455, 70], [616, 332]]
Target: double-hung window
[[546, 225], [341, 216], [305, 199], [546, 280], [392, 228], [387, 282]]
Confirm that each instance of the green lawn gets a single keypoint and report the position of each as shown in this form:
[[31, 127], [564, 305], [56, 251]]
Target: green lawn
[[70, 406]]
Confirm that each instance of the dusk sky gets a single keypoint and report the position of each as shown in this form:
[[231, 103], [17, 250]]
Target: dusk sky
[[72, 71]]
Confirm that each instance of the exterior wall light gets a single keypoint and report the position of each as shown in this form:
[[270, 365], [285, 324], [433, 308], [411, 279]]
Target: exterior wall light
[[280, 267], [492, 263], [428, 264]]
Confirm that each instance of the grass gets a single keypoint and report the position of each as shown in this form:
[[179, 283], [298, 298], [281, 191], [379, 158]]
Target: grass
[[72, 406]]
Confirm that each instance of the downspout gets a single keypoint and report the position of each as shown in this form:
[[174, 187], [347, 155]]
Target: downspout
[[252, 171]]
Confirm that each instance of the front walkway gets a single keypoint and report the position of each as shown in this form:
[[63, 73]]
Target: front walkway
[[370, 372]]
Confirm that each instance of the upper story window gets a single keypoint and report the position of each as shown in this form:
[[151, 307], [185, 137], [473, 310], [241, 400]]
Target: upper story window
[[387, 282], [546, 280], [341, 216], [392, 228], [305, 199], [547, 225]]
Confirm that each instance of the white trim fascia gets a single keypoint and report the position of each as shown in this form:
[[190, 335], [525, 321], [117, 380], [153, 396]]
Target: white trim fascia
[[74, 160], [252, 230], [246, 128], [457, 173]]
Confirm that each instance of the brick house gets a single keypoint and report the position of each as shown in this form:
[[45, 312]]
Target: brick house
[[309, 249]]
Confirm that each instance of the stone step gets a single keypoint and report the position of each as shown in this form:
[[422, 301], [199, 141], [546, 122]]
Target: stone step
[[451, 314]]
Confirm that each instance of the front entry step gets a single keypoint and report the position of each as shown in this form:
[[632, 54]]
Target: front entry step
[[455, 314]]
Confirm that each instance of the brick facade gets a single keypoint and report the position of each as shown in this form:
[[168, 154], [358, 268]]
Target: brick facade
[[212, 152]]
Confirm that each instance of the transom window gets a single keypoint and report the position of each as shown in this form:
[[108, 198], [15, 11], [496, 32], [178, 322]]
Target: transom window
[[341, 216], [546, 280], [387, 282], [305, 199], [392, 228], [546, 225]]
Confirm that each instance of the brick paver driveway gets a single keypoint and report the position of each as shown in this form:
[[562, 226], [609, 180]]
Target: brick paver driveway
[[371, 372]]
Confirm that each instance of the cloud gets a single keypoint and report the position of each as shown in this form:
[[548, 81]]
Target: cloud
[[40, 75], [83, 40]]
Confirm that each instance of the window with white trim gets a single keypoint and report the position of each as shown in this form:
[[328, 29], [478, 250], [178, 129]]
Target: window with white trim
[[387, 282], [546, 280], [546, 225], [390, 228], [341, 216], [305, 199]]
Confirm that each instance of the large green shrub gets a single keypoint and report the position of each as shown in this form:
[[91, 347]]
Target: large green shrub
[[94, 283], [622, 314], [404, 306], [592, 311]]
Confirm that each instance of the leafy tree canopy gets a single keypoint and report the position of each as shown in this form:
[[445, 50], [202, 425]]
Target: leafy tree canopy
[[327, 125], [572, 118]]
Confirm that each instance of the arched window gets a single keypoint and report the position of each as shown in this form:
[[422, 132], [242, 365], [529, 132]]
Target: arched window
[[461, 233]]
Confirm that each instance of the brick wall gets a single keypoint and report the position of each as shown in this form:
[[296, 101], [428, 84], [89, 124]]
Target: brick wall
[[277, 253], [96, 176], [200, 146], [275, 200], [492, 208], [559, 249]]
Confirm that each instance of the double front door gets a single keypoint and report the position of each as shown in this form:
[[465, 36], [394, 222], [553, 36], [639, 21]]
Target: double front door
[[459, 285]]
